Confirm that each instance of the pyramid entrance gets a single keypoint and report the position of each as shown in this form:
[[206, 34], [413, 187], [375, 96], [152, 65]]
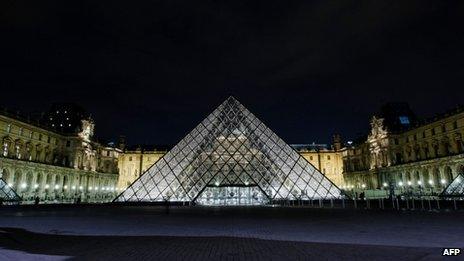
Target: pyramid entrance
[[231, 158]]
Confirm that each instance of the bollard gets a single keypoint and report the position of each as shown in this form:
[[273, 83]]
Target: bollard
[[331, 203], [422, 203], [455, 206], [413, 206], [343, 203], [430, 206], [407, 204], [397, 204], [320, 203], [355, 204], [438, 204]]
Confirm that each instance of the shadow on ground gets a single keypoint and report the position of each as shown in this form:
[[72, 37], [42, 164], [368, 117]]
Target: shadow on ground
[[198, 248]]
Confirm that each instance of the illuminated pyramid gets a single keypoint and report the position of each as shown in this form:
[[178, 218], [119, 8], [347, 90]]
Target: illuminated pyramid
[[455, 188], [231, 158], [7, 193]]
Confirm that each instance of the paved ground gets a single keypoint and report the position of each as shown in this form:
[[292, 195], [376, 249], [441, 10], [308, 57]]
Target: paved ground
[[108, 233]]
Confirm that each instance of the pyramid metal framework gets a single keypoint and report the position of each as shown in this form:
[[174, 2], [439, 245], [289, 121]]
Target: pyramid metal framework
[[455, 188], [230, 158], [7, 193]]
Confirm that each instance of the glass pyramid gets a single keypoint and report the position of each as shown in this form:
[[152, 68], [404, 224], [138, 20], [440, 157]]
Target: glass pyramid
[[7, 193], [231, 158], [455, 188]]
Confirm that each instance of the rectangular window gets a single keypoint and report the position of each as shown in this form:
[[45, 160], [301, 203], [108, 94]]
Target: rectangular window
[[40, 137], [68, 143], [328, 157]]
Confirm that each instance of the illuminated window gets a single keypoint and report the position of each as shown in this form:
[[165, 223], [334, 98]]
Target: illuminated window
[[404, 120]]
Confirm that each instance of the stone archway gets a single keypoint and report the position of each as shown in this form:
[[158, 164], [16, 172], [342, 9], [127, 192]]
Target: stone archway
[[5, 175], [17, 180], [426, 178], [436, 177], [29, 182], [417, 177], [448, 174]]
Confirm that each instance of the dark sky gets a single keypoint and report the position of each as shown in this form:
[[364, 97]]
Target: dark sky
[[153, 69]]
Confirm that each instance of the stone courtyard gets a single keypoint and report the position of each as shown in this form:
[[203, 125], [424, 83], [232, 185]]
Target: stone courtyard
[[105, 232]]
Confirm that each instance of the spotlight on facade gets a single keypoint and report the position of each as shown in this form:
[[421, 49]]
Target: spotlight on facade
[[36, 185], [443, 181], [81, 188], [431, 182], [90, 188], [385, 184], [409, 183], [216, 183], [57, 186], [65, 187], [24, 185], [47, 186], [400, 183], [363, 186], [73, 187], [419, 182]]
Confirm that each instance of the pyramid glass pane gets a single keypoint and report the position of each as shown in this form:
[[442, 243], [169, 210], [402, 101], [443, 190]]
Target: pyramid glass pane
[[231, 158], [455, 188], [7, 193]]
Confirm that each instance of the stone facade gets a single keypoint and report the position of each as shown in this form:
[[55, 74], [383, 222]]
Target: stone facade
[[420, 160], [329, 161], [40, 162], [133, 162]]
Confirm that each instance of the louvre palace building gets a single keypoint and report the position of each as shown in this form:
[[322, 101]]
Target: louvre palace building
[[231, 158], [55, 158]]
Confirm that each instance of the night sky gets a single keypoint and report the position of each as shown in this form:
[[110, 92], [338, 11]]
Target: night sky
[[151, 70]]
